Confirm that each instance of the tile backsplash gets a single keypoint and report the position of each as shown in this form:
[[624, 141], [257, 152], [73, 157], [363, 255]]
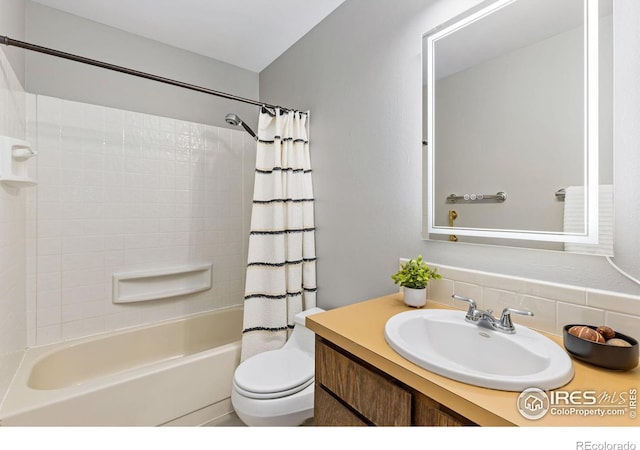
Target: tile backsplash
[[553, 304], [122, 191]]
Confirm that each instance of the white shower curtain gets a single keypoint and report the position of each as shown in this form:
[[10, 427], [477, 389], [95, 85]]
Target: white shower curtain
[[281, 269]]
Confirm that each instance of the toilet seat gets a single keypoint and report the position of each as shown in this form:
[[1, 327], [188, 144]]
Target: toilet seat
[[274, 374], [272, 395]]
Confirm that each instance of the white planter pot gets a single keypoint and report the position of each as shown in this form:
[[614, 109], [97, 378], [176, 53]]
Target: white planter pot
[[415, 297]]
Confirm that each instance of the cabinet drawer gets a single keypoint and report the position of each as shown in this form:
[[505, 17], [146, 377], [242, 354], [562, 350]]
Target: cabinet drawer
[[330, 412], [375, 397]]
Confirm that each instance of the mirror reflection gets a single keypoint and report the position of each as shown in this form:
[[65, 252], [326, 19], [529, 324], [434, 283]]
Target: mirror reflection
[[511, 151]]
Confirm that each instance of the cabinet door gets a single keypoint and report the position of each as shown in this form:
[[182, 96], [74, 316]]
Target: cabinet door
[[428, 412], [330, 412], [375, 397]]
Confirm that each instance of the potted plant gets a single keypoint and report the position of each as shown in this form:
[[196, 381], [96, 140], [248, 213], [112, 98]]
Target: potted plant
[[414, 277]]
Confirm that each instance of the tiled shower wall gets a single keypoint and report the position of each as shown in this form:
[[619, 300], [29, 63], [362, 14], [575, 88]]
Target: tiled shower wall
[[121, 191], [12, 236]]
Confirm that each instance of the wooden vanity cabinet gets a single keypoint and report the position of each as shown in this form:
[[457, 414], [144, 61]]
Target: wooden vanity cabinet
[[430, 413], [350, 392]]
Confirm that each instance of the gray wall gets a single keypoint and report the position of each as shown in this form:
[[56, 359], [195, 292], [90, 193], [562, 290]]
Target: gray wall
[[60, 78], [359, 72], [12, 25]]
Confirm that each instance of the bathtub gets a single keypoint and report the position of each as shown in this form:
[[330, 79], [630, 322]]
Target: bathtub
[[172, 373]]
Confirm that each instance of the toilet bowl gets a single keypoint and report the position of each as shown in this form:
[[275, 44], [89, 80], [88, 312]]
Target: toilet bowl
[[275, 388]]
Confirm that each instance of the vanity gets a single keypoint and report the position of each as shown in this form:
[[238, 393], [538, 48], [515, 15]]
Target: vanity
[[361, 380], [351, 392]]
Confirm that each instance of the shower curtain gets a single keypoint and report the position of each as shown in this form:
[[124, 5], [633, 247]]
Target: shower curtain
[[281, 269]]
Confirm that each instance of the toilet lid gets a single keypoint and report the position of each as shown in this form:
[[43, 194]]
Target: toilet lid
[[278, 372]]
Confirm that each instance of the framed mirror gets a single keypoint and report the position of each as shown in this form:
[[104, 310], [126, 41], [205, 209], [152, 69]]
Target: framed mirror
[[517, 131]]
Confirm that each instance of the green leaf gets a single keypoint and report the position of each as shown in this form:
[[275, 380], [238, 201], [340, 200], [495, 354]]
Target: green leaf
[[415, 274]]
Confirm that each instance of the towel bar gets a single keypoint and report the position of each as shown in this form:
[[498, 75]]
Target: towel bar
[[499, 197]]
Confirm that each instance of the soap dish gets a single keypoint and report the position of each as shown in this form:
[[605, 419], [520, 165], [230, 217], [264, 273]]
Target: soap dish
[[601, 355]]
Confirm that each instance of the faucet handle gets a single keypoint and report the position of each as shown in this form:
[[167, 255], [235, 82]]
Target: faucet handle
[[472, 311], [505, 318]]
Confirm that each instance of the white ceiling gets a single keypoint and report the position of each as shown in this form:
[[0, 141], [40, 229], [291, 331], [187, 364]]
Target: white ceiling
[[247, 33], [514, 26]]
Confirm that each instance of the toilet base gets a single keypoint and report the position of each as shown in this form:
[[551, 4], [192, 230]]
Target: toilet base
[[292, 420], [290, 411]]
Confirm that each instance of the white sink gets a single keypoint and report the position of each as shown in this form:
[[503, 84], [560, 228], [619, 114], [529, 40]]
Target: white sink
[[443, 342]]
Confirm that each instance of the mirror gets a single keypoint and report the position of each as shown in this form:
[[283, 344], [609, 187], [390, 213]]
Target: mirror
[[518, 121]]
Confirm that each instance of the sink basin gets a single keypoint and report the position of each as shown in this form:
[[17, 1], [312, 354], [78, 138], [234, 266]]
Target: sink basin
[[443, 342]]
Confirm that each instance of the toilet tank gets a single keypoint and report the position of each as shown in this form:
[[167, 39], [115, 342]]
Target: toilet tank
[[303, 338], [301, 316]]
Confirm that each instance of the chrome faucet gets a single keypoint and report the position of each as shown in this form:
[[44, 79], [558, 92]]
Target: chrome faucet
[[486, 319]]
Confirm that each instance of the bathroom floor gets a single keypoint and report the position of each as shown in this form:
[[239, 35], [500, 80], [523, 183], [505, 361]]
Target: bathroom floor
[[232, 420], [229, 420]]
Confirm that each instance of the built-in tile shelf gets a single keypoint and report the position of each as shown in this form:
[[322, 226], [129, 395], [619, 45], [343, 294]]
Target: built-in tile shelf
[[14, 155], [131, 287], [553, 304]]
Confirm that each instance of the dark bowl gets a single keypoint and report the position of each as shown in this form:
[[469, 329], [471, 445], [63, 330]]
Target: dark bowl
[[602, 355]]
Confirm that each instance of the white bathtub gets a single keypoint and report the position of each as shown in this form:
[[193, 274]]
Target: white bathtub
[[172, 373]]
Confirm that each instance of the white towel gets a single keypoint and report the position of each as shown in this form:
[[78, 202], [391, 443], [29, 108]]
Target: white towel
[[574, 220]]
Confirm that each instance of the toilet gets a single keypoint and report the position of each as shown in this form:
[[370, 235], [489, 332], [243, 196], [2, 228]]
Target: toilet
[[275, 388]]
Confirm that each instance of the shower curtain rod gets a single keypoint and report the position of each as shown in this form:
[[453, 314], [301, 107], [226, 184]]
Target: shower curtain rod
[[37, 48]]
